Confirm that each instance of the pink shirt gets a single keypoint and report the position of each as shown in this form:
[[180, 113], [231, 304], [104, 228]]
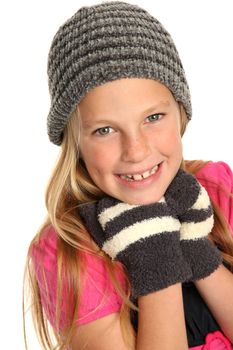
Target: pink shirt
[[98, 296]]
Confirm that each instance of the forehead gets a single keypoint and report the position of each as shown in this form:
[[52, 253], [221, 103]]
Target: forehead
[[126, 92]]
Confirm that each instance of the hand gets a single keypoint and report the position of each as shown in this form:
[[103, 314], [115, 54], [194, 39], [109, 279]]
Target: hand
[[190, 202], [145, 238]]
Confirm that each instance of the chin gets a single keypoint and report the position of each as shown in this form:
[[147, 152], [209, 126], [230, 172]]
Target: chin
[[142, 199]]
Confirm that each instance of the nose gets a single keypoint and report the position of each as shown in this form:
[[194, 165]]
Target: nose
[[135, 148]]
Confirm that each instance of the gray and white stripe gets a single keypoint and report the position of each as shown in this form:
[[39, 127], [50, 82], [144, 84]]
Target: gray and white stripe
[[147, 224], [198, 221]]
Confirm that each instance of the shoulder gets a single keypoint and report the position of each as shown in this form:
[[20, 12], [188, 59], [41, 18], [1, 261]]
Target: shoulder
[[219, 173], [44, 249], [217, 178], [44, 252]]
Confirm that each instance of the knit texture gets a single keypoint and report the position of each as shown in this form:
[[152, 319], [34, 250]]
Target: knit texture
[[191, 203], [160, 243], [105, 42], [144, 238]]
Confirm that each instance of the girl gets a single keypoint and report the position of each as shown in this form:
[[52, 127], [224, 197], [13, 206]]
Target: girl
[[133, 255]]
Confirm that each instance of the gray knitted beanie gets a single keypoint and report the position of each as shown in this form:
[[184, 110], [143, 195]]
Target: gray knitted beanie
[[105, 42]]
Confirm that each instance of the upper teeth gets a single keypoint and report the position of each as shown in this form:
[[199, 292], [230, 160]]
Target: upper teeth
[[140, 176]]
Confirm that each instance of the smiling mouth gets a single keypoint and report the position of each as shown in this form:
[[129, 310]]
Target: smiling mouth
[[139, 177]]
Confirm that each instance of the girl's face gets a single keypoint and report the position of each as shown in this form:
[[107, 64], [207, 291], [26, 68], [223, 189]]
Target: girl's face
[[130, 139]]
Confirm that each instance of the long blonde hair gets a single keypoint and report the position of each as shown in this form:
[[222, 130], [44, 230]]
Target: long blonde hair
[[70, 185]]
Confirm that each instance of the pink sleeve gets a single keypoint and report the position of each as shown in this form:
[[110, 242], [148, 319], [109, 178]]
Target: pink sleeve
[[217, 178], [44, 258], [98, 296]]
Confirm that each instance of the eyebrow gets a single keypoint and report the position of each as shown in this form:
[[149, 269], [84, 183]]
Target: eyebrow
[[161, 104], [157, 106]]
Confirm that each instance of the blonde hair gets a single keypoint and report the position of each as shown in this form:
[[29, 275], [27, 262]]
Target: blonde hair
[[70, 185]]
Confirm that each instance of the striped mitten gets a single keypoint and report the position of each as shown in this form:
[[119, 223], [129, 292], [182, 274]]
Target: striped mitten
[[190, 201], [144, 238]]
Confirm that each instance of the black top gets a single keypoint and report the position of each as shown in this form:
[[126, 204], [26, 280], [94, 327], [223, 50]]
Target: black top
[[198, 318]]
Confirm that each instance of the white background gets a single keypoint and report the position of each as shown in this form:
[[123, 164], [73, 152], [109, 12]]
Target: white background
[[202, 31]]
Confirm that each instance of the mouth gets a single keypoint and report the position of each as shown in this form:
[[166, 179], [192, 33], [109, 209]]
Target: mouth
[[139, 177]]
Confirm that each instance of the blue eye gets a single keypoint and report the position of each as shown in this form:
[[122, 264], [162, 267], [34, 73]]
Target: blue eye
[[154, 117], [104, 131]]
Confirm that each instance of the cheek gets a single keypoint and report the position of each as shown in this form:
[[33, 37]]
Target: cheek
[[174, 142], [96, 158], [170, 142]]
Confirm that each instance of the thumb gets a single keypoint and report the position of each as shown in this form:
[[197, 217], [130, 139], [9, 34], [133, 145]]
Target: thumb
[[182, 193], [88, 213]]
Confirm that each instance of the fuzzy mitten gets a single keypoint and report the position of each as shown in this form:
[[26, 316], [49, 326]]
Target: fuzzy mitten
[[191, 203], [144, 238]]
